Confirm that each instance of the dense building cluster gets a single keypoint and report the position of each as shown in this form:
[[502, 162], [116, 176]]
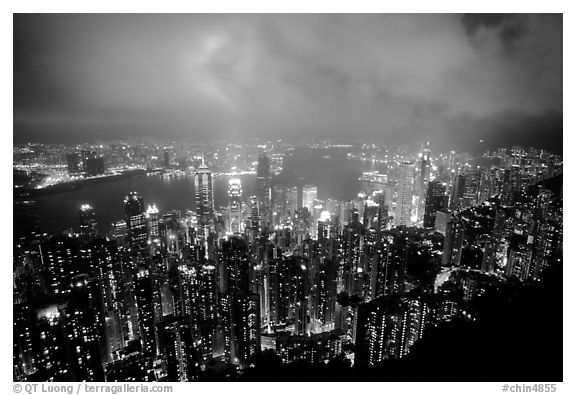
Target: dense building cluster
[[171, 296]]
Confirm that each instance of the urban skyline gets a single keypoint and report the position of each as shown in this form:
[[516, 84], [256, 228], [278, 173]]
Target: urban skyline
[[266, 276], [287, 198]]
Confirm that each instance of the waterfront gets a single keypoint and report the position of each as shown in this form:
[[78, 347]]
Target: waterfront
[[335, 175]]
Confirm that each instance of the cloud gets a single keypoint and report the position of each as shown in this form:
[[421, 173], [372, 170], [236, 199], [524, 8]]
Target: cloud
[[393, 76]]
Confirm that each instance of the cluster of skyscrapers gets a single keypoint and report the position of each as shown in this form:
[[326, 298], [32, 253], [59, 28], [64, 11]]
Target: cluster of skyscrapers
[[171, 296]]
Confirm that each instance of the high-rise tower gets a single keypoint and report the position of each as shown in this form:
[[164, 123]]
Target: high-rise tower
[[264, 193], [88, 223], [204, 188], [423, 178], [405, 191], [309, 194], [235, 208], [436, 200], [136, 220]]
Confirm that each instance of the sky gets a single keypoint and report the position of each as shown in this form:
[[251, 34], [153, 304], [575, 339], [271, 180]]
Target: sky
[[451, 79]]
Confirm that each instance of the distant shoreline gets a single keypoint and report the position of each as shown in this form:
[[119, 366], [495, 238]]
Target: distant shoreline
[[78, 184]]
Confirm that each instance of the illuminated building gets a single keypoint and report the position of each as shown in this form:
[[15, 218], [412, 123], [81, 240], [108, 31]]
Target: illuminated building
[[436, 200], [278, 203], [88, 225], [441, 221], [134, 367], [74, 164], [371, 181], [145, 302], [235, 207], [241, 309], [404, 193], [472, 188], [93, 164], [273, 290], [254, 216], [325, 291], [178, 349], [136, 220], [453, 241], [152, 215], [84, 325], [309, 195], [353, 276], [379, 331], [414, 322], [423, 178], [208, 310], [49, 339], [291, 203], [61, 260], [119, 229], [389, 269], [493, 258], [23, 357], [263, 180], [548, 247], [457, 195], [519, 262], [203, 186], [245, 318]]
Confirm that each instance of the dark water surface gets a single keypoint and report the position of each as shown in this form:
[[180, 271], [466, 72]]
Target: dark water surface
[[330, 169]]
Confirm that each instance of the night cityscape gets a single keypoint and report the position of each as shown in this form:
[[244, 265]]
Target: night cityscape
[[171, 244]]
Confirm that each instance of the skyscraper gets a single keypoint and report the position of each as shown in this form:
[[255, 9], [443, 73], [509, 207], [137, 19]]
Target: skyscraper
[[136, 220], [453, 243], [291, 196], [519, 262], [204, 188], [436, 200], [153, 217], [255, 216], [472, 188], [88, 225], [423, 178], [61, 260], [241, 309], [145, 303], [405, 191], [93, 163], [457, 191], [235, 207], [309, 195], [178, 348], [263, 184], [379, 331], [74, 164]]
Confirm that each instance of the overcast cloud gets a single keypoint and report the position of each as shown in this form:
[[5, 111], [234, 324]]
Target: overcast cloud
[[452, 79]]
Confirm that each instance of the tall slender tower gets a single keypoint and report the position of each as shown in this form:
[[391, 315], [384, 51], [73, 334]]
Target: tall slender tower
[[264, 193], [136, 220], [423, 178], [153, 217], [405, 191], [204, 188], [235, 208]]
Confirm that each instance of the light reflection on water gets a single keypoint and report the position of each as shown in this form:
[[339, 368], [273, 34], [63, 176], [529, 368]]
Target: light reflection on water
[[336, 177]]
